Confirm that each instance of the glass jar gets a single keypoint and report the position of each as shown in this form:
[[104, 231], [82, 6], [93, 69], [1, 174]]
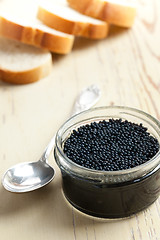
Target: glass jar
[[109, 194]]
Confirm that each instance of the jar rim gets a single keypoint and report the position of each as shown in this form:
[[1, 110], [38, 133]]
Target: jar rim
[[126, 172]]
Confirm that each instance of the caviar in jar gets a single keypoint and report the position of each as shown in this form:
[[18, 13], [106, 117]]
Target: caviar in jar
[[109, 160]]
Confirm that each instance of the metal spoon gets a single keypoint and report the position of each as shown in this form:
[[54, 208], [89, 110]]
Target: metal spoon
[[25, 177]]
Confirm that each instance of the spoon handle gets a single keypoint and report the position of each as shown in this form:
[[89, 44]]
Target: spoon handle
[[86, 99]]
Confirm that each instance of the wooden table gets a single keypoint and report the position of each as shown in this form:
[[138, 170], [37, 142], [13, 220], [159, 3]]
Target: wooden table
[[126, 66]]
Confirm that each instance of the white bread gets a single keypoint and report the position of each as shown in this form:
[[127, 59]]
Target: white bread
[[118, 12], [21, 63], [58, 15], [33, 32]]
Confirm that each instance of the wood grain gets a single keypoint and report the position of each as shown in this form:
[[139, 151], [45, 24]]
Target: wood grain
[[126, 66]]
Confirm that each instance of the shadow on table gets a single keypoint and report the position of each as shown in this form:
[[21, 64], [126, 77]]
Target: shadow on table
[[82, 43], [115, 31], [12, 203], [46, 205], [49, 208], [5, 85]]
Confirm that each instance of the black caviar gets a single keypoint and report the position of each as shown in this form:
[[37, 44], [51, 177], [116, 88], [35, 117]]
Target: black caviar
[[111, 145]]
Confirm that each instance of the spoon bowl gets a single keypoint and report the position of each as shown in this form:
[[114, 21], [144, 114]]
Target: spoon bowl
[[27, 177]]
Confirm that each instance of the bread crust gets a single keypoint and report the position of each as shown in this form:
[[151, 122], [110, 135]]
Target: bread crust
[[77, 28], [35, 36], [28, 76], [114, 13]]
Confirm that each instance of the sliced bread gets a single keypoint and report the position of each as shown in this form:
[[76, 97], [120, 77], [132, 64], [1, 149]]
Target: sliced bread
[[21, 63], [58, 15], [33, 32], [118, 12]]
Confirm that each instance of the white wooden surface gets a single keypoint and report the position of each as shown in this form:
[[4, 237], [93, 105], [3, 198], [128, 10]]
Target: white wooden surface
[[126, 66]]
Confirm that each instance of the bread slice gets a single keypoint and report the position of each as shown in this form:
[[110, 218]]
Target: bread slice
[[33, 32], [21, 63], [58, 15], [118, 12]]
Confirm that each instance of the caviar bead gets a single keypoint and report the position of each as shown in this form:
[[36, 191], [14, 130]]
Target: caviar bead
[[111, 145]]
